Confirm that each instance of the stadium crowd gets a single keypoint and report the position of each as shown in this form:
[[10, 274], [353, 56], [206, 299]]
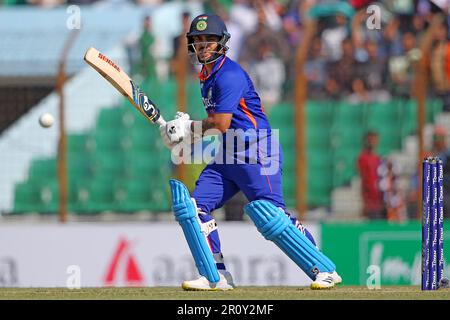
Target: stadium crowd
[[346, 60], [357, 55]]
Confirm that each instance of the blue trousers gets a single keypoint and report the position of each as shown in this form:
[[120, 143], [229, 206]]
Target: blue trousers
[[219, 182]]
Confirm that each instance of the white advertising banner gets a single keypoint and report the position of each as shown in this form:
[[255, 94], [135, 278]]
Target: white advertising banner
[[144, 254]]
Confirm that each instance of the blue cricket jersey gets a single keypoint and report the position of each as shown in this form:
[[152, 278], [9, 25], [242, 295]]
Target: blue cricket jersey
[[229, 89]]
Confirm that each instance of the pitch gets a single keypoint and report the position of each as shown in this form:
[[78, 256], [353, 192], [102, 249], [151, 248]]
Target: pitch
[[240, 293]]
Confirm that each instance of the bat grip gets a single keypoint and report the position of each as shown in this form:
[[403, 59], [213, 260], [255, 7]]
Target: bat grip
[[160, 121]]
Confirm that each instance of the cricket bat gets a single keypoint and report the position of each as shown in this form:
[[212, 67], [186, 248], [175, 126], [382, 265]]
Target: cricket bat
[[122, 82]]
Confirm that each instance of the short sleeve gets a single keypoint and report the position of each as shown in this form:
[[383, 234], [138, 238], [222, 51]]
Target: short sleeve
[[228, 91]]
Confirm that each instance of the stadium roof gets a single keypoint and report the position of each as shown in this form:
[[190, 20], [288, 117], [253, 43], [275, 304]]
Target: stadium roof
[[33, 39]]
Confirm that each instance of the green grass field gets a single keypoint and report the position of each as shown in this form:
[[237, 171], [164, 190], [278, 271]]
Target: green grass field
[[240, 293]]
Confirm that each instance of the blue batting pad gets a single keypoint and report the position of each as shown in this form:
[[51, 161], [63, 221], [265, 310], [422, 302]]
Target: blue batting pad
[[186, 215], [275, 226]]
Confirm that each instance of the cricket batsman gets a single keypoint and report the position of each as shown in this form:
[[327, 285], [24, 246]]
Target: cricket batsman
[[233, 105]]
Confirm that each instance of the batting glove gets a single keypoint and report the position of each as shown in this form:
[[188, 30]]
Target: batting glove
[[179, 128]]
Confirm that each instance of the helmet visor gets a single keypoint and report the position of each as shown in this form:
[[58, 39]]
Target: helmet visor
[[204, 52]]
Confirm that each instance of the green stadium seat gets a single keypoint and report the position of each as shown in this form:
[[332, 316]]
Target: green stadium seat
[[408, 122], [319, 199], [100, 196], [433, 108], [287, 136], [146, 138], [111, 118], [27, 197], [320, 177], [289, 158], [136, 195], [80, 142], [320, 159], [289, 189], [148, 168], [290, 202], [347, 115], [381, 113], [161, 199], [195, 105], [348, 137], [135, 121], [390, 139], [79, 195], [49, 197], [281, 115], [111, 139], [319, 113], [110, 163], [318, 137], [43, 169], [150, 85], [79, 165], [345, 166]]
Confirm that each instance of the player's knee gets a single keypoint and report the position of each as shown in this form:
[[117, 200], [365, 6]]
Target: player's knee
[[269, 219]]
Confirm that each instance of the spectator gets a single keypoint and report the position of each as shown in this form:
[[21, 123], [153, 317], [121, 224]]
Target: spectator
[[374, 68], [392, 38], [179, 40], [268, 74], [442, 150], [401, 68], [236, 41], [418, 26], [271, 11], [333, 38], [392, 196], [368, 164], [316, 71], [179, 46], [292, 32], [264, 34], [146, 41], [343, 71], [440, 56], [244, 15], [361, 94]]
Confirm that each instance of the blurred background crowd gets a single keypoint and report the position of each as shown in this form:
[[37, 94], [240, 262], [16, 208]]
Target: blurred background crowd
[[348, 59], [363, 54], [359, 55]]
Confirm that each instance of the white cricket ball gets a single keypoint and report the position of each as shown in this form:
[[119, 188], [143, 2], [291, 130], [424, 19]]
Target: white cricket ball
[[46, 120]]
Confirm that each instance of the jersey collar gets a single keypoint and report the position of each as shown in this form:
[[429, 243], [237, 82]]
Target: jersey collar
[[217, 65]]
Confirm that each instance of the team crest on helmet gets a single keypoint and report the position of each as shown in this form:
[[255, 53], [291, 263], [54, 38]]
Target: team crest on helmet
[[201, 25]]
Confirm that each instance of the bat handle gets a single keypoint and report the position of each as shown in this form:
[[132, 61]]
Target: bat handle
[[160, 121]]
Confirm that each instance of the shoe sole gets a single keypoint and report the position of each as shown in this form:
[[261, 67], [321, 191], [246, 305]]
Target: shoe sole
[[187, 288], [315, 286]]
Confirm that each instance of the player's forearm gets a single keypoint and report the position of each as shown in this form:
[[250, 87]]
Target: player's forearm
[[206, 125]]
